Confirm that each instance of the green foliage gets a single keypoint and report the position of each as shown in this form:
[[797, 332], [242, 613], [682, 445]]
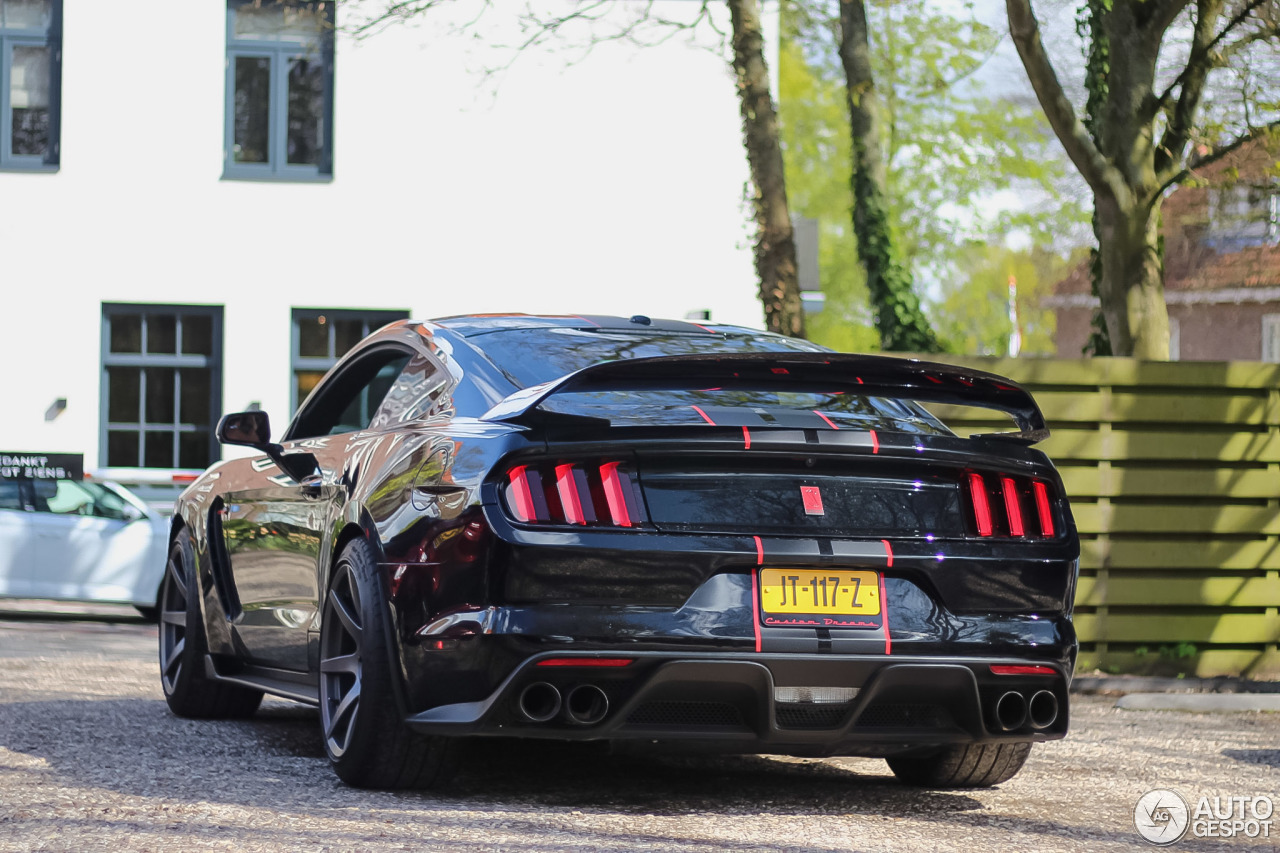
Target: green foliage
[[948, 147], [974, 312]]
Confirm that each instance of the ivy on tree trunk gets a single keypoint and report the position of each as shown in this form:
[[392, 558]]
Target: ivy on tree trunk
[[895, 306]]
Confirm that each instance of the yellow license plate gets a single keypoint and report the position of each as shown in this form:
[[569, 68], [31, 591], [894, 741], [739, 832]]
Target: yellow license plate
[[824, 592]]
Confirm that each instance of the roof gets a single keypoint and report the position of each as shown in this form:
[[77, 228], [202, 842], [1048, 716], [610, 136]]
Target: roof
[[469, 325]]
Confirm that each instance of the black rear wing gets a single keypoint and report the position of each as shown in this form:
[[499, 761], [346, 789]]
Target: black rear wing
[[820, 372]]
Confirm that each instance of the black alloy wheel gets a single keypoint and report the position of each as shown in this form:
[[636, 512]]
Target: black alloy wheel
[[188, 691], [341, 641], [364, 735]]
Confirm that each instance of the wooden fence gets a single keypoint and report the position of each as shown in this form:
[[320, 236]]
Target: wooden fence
[[1173, 470]]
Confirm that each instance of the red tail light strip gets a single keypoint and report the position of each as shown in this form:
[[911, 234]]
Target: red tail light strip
[[830, 422], [588, 662], [746, 439], [1042, 508], [1022, 669], [981, 508], [875, 442], [888, 553], [1012, 506], [759, 551], [521, 498], [567, 486], [613, 493]]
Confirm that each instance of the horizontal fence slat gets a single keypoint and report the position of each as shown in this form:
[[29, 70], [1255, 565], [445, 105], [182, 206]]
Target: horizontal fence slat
[[1200, 554], [1178, 628], [1175, 518], [1179, 592], [1206, 664], [1085, 482]]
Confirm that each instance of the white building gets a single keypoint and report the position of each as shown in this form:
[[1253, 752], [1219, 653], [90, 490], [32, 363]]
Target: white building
[[178, 239]]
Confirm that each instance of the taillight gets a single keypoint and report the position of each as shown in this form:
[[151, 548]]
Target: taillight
[[603, 494], [1043, 508], [981, 506], [1008, 516]]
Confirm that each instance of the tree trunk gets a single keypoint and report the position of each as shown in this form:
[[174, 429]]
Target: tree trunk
[[899, 319], [775, 249], [1132, 285]]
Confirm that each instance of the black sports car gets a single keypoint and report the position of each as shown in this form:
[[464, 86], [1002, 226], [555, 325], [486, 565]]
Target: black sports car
[[597, 528]]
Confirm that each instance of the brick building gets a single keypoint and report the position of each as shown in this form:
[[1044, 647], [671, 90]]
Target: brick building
[[1222, 266]]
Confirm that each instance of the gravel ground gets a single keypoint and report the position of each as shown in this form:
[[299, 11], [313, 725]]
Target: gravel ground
[[91, 759]]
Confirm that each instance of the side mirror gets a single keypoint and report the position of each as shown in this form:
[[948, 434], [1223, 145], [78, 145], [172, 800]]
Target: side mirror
[[253, 429], [248, 428]]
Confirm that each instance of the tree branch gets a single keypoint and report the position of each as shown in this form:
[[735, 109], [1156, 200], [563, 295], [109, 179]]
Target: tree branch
[[1238, 19], [1093, 166], [1173, 143], [1213, 156]]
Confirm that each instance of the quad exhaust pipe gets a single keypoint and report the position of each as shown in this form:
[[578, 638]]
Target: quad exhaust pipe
[[1042, 710], [1011, 711], [540, 702], [1015, 711], [586, 705], [583, 705]]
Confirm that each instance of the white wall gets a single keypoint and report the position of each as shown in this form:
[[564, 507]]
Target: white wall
[[610, 186]]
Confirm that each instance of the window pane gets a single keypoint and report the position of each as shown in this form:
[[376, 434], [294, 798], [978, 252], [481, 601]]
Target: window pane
[[26, 14], [252, 102], [123, 389], [70, 498], [126, 333], [306, 111], [313, 337], [195, 397], [160, 395], [347, 333], [29, 100], [162, 333], [122, 449], [304, 381], [275, 22], [159, 450], [193, 450], [197, 334]]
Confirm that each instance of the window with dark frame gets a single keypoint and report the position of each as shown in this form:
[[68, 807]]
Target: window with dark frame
[[161, 385], [321, 336], [30, 83], [279, 111]]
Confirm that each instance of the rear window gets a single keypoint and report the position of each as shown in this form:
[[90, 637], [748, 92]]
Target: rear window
[[533, 356]]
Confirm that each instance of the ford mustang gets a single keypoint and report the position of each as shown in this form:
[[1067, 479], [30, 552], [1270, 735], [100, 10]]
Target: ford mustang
[[631, 530]]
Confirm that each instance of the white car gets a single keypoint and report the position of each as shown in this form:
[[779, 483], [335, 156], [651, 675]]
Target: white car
[[74, 540]]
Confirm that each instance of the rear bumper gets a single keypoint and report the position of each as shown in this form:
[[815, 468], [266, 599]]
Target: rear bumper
[[731, 702]]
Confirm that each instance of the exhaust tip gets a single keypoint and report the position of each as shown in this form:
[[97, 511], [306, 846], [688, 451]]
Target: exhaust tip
[[586, 705], [1011, 711], [1043, 709], [539, 702]]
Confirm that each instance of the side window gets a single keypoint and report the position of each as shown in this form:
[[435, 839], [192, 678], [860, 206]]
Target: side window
[[348, 401], [10, 496], [417, 393], [321, 336], [30, 83], [279, 122]]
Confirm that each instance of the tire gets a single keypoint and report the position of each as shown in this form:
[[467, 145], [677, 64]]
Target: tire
[[365, 737], [962, 766], [187, 689]]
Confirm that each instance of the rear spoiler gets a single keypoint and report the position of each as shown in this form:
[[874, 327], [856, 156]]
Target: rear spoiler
[[820, 372]]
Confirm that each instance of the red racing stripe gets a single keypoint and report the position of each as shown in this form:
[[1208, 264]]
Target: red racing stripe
[[704, 415]]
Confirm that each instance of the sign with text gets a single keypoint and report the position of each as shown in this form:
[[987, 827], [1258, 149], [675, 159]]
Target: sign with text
[[41, 466]]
